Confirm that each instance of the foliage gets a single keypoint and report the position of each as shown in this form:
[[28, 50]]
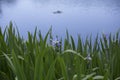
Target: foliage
[[36, 59]]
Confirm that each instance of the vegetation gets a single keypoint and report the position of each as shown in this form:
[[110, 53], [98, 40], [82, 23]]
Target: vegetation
[[42, 58]]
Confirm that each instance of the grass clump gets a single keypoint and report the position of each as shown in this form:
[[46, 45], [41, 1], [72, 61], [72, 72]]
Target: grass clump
[[37, 59]]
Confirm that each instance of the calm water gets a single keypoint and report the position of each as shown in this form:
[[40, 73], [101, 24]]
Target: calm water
[[78, 16]]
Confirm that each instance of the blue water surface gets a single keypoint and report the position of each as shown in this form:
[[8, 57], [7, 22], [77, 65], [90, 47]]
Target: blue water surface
[[84, 17]]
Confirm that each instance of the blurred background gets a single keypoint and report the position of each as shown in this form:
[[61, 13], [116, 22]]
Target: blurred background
[[84, 17]]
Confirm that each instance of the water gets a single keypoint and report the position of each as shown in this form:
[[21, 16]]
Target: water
[[82, 17]]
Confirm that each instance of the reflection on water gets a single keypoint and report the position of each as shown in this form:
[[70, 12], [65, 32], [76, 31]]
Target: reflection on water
[[78, 16], [5, 2], [57, 12], [0, 7], [82, 2]]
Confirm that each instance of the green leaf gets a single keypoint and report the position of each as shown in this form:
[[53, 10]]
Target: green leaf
[[73, 52], [10, 61], [73, 43], [63, 67], [50, 73], [98, 77], [118, 78], [89, 76], [18, 68]]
